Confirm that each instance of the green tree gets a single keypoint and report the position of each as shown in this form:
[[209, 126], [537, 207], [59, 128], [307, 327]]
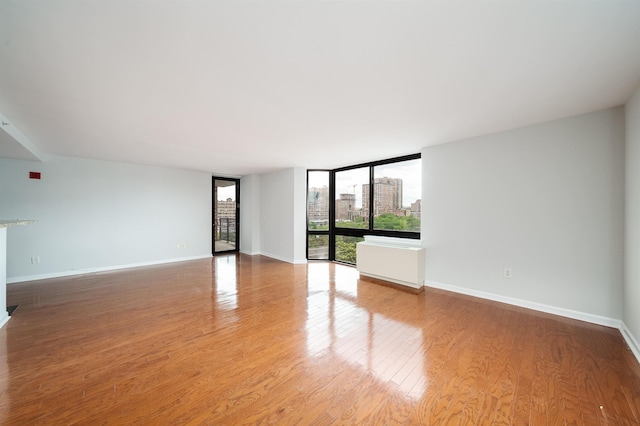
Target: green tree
[[413, 223], [396, 223], [390, 221], [315, 227], [318, 241], [357, 223], [346, 250]]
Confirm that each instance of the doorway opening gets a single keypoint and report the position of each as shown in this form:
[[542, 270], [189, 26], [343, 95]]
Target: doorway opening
[[226, 215]]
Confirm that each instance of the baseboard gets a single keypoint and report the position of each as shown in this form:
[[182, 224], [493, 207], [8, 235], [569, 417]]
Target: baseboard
[[582, 316], [73, 272], [4, 319], [250, 253], [412, 286], [284, 259], [385, 282], [630, 339]]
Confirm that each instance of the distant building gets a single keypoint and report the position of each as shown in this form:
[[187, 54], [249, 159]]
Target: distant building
[[225, 218], [226, 208], [387, 196], [346, 207], [318, 206], [416, 208]]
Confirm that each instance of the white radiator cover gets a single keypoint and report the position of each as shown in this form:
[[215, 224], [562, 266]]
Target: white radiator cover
[[392, 259]]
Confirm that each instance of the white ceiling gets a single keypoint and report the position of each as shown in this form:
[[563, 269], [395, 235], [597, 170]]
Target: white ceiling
[[237, 87]]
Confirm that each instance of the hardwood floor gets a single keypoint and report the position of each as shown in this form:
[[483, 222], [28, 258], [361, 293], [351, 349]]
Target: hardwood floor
[[249, 340]]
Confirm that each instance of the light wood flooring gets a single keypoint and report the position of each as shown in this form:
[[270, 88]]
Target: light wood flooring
[[249, 340]]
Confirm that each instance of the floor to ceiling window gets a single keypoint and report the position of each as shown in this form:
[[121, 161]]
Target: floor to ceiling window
[[318, 214], [378, 198]]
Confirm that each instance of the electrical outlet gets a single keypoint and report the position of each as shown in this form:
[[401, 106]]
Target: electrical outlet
[[35, 259], [182, 245], [507, 272]]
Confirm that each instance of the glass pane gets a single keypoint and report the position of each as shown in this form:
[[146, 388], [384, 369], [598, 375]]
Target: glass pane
[[318, 247], [352, 195], [346, 248], [318, 200], [397, 189], [225, 215]]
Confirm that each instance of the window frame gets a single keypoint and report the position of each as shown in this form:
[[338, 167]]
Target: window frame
[[334, 231], [317, 231]]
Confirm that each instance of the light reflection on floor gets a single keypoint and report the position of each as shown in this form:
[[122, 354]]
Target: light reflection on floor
[[346, 279], [318, 277], [226, 282], [337, 323]]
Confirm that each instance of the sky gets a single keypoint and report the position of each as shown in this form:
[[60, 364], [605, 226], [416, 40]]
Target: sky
[[225, 192]]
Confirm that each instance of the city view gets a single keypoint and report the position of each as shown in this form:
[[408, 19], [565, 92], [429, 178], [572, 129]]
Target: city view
[[352, 212], [396, 205]]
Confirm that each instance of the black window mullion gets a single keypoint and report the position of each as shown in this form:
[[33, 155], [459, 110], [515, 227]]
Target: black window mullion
[[371, 198], [332, 215]]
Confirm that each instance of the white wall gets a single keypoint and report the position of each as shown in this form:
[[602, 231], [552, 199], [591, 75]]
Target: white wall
[[283, 214], [98, 215], [632, 222], [545, 200], [250, 214], [300, 215]]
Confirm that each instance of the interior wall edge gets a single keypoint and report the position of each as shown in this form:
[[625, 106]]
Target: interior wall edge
[[628, 337], [634, 345], [541, 307], [25, 278], [284, 259], [4, 320], [250, 253]]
